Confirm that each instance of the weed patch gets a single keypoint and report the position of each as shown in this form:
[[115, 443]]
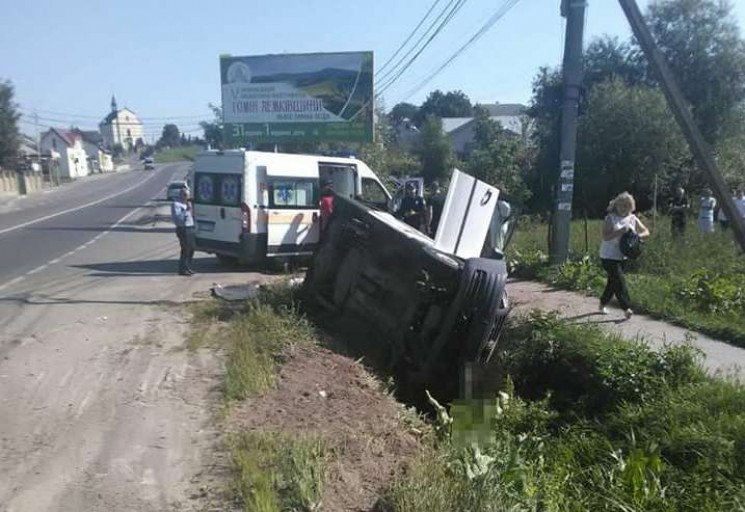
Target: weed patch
[[276, 472], [177, 154], [257, 341], [697, 282], [586, 421]]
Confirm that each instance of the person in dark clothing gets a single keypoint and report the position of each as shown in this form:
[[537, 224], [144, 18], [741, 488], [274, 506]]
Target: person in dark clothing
[[182, 213], [413, 209], [679, 212], [436, 204]]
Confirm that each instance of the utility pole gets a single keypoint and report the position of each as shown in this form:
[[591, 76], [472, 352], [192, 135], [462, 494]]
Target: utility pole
[[574, 12], [677, 102]]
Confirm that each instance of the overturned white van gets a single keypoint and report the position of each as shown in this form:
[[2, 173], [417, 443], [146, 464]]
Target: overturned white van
[[252, 205]]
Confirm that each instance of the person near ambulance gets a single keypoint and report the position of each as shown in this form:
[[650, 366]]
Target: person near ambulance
[[182, 213], [413, 210], [326, 204]]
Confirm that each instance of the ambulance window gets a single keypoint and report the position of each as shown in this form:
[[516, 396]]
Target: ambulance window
[[372, 192], [218, 189], [293, 193]]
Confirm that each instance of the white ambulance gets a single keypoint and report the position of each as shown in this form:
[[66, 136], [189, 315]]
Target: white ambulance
[[250, 205]]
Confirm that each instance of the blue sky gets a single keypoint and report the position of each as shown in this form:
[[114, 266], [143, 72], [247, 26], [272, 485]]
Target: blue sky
[[161, 58]]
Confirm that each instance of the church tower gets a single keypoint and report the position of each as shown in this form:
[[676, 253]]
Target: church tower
[[113, 104]]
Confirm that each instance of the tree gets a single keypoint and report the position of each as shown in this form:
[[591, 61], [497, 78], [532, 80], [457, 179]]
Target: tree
[[434, 150], [402, 111], [606, 58], [500, 158], [213, 130], [627, 137], [702, 45], [450, 104], [9, 116], [170, 137]]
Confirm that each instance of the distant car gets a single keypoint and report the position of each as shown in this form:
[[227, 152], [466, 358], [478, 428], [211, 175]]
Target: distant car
[[174, 189], [149, 164]]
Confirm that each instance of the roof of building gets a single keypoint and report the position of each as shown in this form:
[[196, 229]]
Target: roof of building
[[91, 136], [67, 136], [111, 115], [504, 109], [450, 124]]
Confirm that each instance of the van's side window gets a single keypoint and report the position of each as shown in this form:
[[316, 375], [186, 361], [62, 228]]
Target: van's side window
[[293, 193], [217, 189], [372, 192]]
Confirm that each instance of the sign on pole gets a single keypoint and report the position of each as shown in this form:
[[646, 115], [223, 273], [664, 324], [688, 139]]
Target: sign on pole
[[300, 97]]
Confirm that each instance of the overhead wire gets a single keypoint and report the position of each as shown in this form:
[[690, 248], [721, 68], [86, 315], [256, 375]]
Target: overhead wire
[[88, 116], [411, 34], [385, 83], [506, 6], [456, 6]]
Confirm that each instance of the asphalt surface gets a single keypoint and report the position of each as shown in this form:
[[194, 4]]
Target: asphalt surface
[[102, 408], [45, 228]]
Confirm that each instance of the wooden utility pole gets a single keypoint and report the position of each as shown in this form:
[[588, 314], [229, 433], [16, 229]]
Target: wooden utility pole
[[574, 12], [677, 102]]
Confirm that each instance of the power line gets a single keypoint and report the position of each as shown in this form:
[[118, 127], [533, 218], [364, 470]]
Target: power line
[[122, 123], [504, 9], [394, 73], [398, 50], [87, 116]]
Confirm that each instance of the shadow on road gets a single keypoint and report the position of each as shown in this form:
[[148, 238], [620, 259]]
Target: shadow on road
[[118, 229], [152, 267], [48, 301], [206, 265]]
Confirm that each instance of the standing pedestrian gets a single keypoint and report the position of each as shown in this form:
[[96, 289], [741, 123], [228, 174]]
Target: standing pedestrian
[[740, 202], [413, 209], [619, 220], [679, 212], [436, 205], [326, 204], [706, 206], [182, 213]]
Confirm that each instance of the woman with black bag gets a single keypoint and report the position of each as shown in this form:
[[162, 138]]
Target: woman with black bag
[[621, 233]]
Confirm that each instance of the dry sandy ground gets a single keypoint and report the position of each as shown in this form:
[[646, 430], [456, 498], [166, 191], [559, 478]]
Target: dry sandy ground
[[324, 394], [101, 407]]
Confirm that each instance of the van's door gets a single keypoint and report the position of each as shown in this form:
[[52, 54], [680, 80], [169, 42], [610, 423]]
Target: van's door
[[292, 215], [217, 207], [343, 178]]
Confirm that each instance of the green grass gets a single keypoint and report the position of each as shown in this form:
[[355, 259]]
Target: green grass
[[697, 282], [255, 334], [586, 421], [278, 472], [178, 154]]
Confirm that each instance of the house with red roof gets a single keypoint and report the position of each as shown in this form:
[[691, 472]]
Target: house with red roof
[[66, 152]]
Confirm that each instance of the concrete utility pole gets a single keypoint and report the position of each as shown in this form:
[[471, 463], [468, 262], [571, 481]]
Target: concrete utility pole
[[574, 12], [677, 102]]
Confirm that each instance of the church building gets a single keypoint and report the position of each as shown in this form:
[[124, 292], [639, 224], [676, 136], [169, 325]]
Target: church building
[[121, 127]]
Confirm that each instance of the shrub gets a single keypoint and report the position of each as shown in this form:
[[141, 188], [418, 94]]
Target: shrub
[[713, 291], [586, 371]]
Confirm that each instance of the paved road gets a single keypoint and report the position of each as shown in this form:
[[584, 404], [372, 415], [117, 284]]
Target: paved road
[[101, 408], [48, 226]]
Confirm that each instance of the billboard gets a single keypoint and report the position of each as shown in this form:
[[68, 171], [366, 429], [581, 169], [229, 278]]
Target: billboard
[[297, 97]]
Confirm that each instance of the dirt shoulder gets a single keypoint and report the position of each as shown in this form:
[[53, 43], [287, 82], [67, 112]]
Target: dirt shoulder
[[577, 308], [370, 437]]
